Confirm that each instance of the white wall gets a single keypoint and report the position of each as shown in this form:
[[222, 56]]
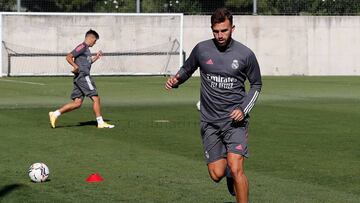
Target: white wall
[[284, 45], [61, 33], [292, 45]]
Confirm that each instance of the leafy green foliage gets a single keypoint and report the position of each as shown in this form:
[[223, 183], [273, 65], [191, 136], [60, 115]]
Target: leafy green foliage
[[116, 6], [7, 5], [264, 7]]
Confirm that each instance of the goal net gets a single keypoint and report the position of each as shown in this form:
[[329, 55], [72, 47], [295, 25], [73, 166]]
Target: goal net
[[36, 44]]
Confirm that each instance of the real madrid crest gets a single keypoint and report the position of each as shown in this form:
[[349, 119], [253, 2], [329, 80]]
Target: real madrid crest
[[235, 64]]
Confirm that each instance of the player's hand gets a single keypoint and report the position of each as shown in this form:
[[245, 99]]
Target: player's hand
[[75, 70], [171, 82], [99, 54], [237, 115]]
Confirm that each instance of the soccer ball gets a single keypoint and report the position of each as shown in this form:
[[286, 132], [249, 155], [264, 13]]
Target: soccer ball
[[198, 105], [38, 172]]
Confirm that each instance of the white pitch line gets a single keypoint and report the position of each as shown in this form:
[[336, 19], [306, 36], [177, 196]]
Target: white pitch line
[[22, 82], [161, 121]]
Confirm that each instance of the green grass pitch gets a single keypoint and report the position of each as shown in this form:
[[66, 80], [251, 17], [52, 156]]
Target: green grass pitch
[[304, 142]]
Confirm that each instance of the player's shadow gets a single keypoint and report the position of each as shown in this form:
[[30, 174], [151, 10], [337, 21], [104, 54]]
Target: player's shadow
[[85, 123], [7, 189], [90, 123]]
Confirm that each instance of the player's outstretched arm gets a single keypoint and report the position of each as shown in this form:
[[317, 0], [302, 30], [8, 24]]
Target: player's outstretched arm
[[185, 72], [70, 60], [97, 56], [172, 82]]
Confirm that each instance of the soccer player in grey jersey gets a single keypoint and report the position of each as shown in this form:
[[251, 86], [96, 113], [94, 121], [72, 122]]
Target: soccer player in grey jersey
[[224, 64], [81, 59]]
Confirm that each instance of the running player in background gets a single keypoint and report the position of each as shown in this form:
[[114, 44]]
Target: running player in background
[[81, 59], [224, 64]]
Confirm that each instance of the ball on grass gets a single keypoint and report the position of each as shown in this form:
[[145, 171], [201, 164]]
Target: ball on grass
[[39, 172]]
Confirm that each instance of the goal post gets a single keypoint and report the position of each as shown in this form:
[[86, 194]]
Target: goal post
[[2, 65], [35, 44]]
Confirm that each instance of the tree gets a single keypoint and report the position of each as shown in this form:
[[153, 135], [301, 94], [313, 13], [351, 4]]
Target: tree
[[171, 6], [117, 6], [264, 7], [74, 5], [7, 5], [240, 6], [335, 7], [58, 5], [309, 7], [209, 6]]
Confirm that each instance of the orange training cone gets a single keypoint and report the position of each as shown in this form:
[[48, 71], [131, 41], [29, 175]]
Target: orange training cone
[[95, 177]]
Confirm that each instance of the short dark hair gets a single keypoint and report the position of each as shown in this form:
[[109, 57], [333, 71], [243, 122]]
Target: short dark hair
[[220, 15], [92, 32]]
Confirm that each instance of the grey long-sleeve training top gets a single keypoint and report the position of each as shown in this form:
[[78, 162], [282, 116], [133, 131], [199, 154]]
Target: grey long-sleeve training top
[[223, 74]]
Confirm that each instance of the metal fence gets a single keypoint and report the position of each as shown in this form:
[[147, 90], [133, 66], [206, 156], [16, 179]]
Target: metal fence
[[189, 7]]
